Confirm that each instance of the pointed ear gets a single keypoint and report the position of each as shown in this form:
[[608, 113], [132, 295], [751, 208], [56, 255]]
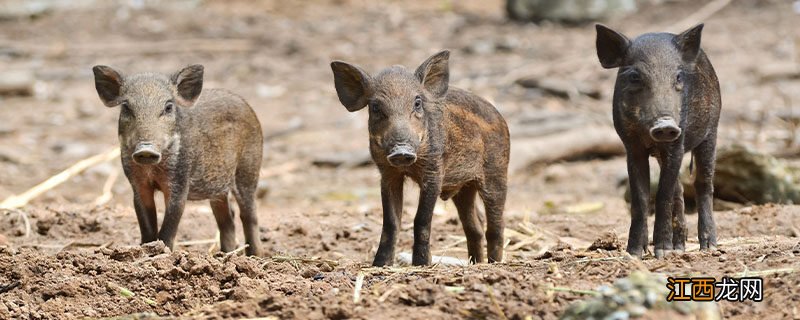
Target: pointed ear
[[352, 85], [188, 84], [612, 47], [434, 73], [689, 43], [108, 83]]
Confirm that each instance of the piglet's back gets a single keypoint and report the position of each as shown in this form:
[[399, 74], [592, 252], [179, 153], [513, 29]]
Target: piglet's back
[[223, 105], [483, 110], [473, 113]]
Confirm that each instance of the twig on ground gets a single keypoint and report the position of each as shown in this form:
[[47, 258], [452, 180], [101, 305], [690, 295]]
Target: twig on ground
[[25, 221], [196, 242], [359, 285], [71, 244], [496, 305], [388, 292], [80, 244], [401, 270], [521, 244], [16, 201], [42, 245], [107, 244], [8, 287], [407, 259], [766, 272], [594, 259], [234, 252], [107, 194], [658, 267], [457, 242], [577, 291], [214, 245], [332, 263]]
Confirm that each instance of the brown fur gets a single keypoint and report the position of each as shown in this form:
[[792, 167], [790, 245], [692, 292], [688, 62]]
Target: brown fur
[[208, 145], [460, 145], [664, 75]]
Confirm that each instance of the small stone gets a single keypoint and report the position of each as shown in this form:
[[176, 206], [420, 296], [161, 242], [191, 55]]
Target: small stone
[[310, 272], [619, 300], [636, 310], [650, 299], [624, 284], [618, 315], [635, 297], [325, 267], [605, 290]]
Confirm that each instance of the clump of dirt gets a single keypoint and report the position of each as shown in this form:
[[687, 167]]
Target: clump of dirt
[[608, 241]]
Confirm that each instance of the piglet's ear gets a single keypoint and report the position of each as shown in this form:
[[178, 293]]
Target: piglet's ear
[[188, 84], [352, 85], [108, 83], [689, 43], [434, 73], [612, 47]]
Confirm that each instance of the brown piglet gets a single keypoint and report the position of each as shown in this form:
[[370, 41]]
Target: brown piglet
[[189, 146], [452, 143]]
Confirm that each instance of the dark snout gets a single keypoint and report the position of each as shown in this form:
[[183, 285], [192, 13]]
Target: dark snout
[[665, 130], [402, 155], [146, 153]]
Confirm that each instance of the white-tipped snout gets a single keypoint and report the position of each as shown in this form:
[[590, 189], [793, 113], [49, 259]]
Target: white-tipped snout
[[665, 129], [402, 155], [146, 153]]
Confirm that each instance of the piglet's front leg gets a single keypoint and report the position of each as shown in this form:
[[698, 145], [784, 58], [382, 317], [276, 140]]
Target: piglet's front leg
[[176, 201], [430, 189], [670, 161], [392, 200]]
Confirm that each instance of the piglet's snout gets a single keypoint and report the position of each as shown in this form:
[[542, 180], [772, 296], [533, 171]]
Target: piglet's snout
[[665, 130], [402, 155], [146, 153]]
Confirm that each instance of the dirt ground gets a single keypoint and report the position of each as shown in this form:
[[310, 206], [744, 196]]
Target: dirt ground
[[321, 224]]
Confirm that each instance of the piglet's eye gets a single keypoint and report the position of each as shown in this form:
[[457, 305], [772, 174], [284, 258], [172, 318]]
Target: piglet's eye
[[169, 107], [418, 103], [679, 78], [375, 110], [635, 78]]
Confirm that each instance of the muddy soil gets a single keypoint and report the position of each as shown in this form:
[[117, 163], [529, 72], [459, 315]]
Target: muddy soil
[[321, 224]]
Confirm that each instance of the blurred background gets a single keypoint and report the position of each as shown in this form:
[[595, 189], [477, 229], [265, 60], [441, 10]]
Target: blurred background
[[535, 60]]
